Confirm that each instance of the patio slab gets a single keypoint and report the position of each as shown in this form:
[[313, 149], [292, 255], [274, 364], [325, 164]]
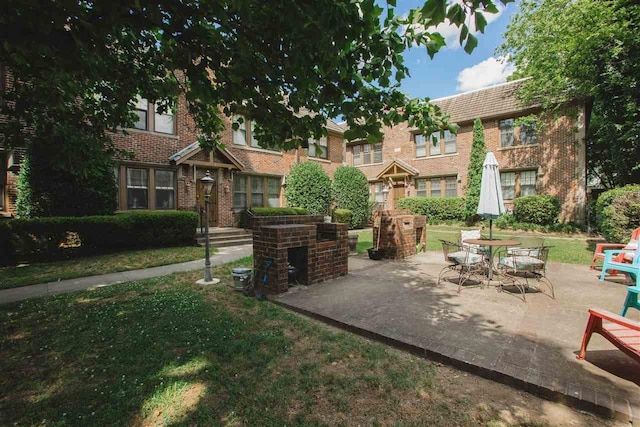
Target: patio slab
[[531, 345]]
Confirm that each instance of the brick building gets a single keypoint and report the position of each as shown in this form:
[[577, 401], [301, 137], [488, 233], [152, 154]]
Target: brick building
[[550, 162], [168, 163]]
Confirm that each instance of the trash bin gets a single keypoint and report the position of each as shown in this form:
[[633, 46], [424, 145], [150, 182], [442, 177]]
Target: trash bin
[[241, 277]]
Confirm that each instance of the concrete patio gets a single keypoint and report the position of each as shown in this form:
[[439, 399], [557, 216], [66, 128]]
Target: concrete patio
[[531, 345]]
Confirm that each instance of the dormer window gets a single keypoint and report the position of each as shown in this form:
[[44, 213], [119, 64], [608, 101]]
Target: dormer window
[[150, 118]]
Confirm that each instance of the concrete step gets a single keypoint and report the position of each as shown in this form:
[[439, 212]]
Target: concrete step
[[231, 232], [226, 243], [217, 239]]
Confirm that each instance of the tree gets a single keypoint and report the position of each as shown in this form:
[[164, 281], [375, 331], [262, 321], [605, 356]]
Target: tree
[[288, 66], [23, 202], [308, 186], [474, 173], [583, 49], [350, 190]]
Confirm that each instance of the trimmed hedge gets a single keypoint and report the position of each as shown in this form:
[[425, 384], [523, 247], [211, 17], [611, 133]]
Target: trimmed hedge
[[621, 217], [539, 209], [279, 211], [342, 216], [351, 191], [435, 209], [603, 212], [308, 186], [62, 237]]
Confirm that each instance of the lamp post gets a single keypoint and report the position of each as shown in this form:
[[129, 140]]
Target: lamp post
[[207, 182]]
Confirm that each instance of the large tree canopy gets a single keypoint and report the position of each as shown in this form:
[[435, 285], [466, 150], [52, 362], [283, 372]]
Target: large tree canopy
[[79, 65], [579, 49]]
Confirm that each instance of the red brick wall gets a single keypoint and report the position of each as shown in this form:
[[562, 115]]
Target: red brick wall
[[558, 157]]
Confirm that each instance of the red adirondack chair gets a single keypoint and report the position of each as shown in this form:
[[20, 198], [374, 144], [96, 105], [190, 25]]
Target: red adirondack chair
[[601, 247], [619, 331]]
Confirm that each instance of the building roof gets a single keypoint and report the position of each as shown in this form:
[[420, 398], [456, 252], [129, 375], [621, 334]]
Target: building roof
[[499, 100], [191, 149], [336, 127]]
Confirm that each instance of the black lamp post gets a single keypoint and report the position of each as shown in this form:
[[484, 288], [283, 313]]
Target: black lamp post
[[208, 182]]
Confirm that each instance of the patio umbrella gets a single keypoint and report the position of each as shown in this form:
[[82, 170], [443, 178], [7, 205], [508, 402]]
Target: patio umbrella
[[491, 205]]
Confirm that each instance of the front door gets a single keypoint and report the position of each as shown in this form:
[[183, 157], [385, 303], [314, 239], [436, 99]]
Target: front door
[[213, 202], [398, 193]]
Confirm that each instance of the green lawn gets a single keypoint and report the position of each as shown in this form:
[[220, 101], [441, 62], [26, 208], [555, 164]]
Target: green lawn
[[12, 277], [165, 351], [574, 250]]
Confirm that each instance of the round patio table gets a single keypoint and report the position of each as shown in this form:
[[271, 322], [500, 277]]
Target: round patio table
[[491, 243]]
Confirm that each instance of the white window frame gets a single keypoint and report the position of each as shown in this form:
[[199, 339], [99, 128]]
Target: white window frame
[[137, 187], [507, 132], [447, 191], [450, 140], [239, 136], [420, 141], [172, 188], [504, 181]]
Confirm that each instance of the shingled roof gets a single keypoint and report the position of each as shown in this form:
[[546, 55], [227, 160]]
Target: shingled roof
[[495, 101]]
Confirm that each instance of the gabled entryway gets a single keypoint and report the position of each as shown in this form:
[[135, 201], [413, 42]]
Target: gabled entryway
[[396, 176]]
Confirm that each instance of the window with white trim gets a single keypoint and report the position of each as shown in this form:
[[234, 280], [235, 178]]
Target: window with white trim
[[150, 118], [239, 191], [451, 186], [165, 189], [434, 147], [256, 191], [365, 154], [450, 144], [240, 134], [436, 187], [164, 122], [137, 188], [142, 111], [378, 194], [421, 187], [527, 183], [273, 192], [421, 145], [508, 184]]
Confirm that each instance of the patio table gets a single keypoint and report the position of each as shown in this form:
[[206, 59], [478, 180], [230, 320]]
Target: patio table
[[491, 243]]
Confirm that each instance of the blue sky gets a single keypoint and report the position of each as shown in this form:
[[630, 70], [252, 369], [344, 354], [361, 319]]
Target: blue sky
[[452, 70]]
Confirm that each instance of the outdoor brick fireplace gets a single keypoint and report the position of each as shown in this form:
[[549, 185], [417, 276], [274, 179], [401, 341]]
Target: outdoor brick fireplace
[[400, 232], [318, 251]]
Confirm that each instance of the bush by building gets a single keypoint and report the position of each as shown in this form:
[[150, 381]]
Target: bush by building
[[436, 210], [603, 211], [41, 239], [350, 190], [308, 186], [343, 216], [619, 213], [541, 209]]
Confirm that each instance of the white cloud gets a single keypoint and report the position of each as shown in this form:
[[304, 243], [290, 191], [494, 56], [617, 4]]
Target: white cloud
[[451, 33], [488, 72]]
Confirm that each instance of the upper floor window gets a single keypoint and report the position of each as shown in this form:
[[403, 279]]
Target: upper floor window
[[507, 132], [240, 134], [364, 154], [436, 144], [319, 148], [528, 134], [150, 118]]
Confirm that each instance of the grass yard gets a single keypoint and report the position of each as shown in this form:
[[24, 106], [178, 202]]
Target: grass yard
[[165, 351], [573, 250], [13, 277]]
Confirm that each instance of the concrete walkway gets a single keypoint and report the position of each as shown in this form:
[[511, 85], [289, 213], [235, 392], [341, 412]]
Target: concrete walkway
[[531, 344], [223, 256]]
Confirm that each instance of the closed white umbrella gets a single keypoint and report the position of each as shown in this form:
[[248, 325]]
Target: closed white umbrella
[[491, 205]]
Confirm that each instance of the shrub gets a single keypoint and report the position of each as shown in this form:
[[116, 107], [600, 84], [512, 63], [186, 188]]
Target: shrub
[[538, 209], [351, 191], [435, 209], [23, 201], [508, 222], [279, 211], [309, 187], [621, 217], [343, 216], [604, 201], [474, 174], [61, 237]]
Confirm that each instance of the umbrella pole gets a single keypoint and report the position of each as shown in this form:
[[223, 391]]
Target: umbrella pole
[[490, 250]]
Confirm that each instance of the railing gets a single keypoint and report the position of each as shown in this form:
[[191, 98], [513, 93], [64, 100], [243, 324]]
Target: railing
[[247, 219]]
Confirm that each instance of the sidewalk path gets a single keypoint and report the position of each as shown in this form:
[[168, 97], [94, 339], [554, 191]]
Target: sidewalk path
[[222, 256]]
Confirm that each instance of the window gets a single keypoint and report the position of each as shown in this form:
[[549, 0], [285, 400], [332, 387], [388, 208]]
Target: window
[[273, 192], [434, 149], [249, 190], [451, 186], [507, 132], [421, 145], [528, 134], [149, 117], [450, 142], [436, 187], [142, 110], [137, 188], [365, 154], [421, 187], [240, 135], [165, 189], [318, 148], [378, 194], [508, 183], [239, 191], [254, 141], [164, 122], [357, 160], [527, 183]]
